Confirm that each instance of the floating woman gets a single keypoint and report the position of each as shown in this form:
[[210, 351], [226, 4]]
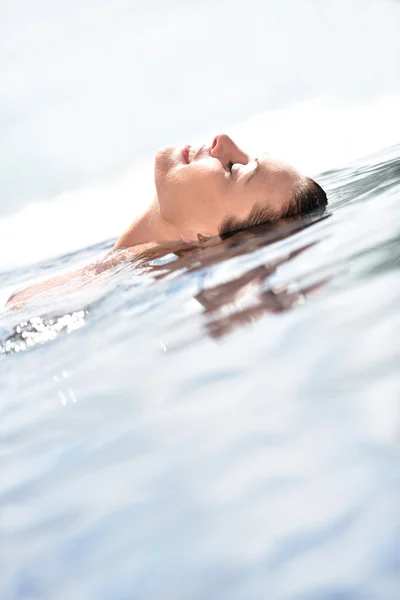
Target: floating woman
[[211, 191]]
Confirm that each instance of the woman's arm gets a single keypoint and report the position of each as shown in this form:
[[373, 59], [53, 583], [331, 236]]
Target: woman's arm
[[22, 296], [85, 274]]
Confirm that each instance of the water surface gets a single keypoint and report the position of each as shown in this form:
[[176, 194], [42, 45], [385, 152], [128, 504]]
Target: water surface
[[218, 426], [223, 424]]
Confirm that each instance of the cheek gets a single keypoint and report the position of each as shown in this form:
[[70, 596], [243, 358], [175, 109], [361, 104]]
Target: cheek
[[202, 191], [190, 194], [204, 182]]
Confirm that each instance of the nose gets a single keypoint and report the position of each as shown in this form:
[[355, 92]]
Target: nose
[[225, 149]]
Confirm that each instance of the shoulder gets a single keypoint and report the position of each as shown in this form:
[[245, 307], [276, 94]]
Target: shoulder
[[122, 254]]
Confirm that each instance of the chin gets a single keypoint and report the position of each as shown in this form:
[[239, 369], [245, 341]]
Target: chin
[[169, 157], [163, 164], [167, 164], [166, 153]]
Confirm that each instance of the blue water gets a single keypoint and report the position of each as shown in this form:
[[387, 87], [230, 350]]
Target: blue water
[[223, 426]]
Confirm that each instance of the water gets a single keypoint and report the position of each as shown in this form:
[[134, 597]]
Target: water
[[225, 425]]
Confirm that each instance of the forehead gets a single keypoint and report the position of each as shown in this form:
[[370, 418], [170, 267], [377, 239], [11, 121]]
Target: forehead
[[271, 182], [274, 175], [272, 164]]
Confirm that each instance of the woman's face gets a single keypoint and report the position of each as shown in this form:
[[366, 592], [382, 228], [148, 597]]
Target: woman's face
[[198, 188]]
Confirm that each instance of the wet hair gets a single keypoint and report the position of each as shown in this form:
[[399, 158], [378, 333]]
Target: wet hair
[[309, 197]]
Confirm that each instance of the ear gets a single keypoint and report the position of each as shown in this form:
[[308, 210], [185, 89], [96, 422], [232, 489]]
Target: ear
[[202, 238]]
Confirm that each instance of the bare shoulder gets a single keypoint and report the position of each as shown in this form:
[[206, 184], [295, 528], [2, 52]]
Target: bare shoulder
[[122, 254], [83, 275]]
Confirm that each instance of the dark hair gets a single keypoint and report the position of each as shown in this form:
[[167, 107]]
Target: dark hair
[[309, 197]]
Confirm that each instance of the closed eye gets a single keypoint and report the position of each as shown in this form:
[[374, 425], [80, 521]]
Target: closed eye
[[229, 166]]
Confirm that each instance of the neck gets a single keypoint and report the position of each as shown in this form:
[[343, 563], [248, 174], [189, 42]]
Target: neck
[[149, 227]]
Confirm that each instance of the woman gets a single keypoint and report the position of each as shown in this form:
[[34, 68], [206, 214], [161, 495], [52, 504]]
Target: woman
[[202, 193]]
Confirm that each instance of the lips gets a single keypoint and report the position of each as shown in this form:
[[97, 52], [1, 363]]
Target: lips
[[189, 154], [186, 154]]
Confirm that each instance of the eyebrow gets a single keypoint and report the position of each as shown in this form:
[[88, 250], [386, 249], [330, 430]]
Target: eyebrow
[[253, 173]]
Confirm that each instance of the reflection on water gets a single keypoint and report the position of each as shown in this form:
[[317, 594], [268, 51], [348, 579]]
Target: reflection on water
[[249, 289], [40, 329]]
